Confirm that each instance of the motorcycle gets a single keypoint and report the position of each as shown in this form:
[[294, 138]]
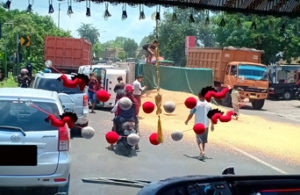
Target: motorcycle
[[123, 146]]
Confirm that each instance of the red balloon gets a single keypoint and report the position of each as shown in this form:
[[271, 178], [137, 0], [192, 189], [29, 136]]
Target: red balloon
[[153, 139], [148, 107], [112, 137], [102, 96], [190, 102], [199, 128]]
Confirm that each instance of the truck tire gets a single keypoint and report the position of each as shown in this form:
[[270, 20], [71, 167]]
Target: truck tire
[[258, 104], [287, 95]]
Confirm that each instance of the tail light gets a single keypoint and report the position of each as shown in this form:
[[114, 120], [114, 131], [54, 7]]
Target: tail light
[[63, 139], [85, 101]]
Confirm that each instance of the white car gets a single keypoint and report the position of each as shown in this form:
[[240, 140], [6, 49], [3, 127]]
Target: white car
[[33, 153]]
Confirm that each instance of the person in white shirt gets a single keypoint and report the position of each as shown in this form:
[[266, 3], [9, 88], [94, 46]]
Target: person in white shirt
[[138, 89], [200, 111], [235, 97]]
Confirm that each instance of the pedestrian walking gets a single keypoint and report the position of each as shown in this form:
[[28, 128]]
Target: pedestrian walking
[[200, 112], [138, 89], [235, 98], [93, 87]]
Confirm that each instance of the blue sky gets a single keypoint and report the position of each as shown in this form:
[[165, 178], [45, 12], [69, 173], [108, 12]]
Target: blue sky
[[132, 27]]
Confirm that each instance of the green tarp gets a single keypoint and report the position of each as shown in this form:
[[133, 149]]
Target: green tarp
[[190, 80]]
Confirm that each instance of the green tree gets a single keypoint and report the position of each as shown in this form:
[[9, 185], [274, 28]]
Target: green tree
[[271, 34], [96, 50], [27, 24], [130, 47], [172, 34], [89, 32]]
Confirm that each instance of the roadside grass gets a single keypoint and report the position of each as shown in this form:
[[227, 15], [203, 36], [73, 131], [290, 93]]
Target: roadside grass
[[9, 82]]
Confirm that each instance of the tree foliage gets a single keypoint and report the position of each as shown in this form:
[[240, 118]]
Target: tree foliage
[[172, 34], [88, 32], [23, 24], [271, 34]]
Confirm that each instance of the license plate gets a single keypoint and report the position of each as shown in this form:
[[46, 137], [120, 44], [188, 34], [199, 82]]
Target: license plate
[[18, 155], [253, 96]]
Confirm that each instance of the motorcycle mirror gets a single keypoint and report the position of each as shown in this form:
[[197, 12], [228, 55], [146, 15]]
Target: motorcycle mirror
[[228, 171]]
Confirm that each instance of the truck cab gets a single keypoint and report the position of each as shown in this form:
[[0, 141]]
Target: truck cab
[[252, 80]]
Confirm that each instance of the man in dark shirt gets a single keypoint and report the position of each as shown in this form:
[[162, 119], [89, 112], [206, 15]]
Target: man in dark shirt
[[149, 50], [119, 88]]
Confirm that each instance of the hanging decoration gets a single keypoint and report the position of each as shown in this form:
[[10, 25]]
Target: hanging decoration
[[190, 102], [142, 14], [199, 128], [207, 18], [133, 139], [88, 8], [158, 97], [7, 4], [124, 12], [148, 107], [80, 80], [154, 139], [125, 103], [177, 135], [102, 95], [222, 23], [29, 7], [217, 114], [174, 16], [238, 22], [191, 19], [51, 9], [87, 132], [70, 11], [112, 137], [169, 106], [106, 13], [66, 118], [253, 25], [209, 92], [157, 14]]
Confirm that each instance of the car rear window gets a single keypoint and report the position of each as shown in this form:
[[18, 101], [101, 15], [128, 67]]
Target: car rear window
[[19, 113], [55, 85]]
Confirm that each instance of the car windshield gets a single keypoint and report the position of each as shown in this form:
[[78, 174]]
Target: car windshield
[[253, 72], [192, 75], [18, 113], [55, 85]]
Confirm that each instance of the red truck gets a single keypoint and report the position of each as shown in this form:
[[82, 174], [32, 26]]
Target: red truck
[[67, 54]]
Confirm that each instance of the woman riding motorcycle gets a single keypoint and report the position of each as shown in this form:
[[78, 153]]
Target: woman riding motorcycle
[[129, 115]]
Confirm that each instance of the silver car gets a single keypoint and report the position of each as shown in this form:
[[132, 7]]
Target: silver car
[[73, 99], [33, 153]]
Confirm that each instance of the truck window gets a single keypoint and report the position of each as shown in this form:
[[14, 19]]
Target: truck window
[[233, 70], [228, 68]]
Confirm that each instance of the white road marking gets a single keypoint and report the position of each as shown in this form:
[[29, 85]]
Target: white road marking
[[257, 159]]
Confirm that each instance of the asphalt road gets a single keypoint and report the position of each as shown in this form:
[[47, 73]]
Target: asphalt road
[[277, 110], [90, 158]]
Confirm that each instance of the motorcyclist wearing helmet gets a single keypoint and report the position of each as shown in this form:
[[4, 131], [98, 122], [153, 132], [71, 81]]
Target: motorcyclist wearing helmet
[[123, 116]]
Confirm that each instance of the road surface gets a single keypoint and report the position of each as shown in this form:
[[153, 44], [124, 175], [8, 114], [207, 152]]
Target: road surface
[[90, 158]]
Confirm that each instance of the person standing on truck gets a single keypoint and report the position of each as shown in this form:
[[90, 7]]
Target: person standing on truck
[[149, 50], [93, 87], [235, 98], [138, 89], [200, 112], [119, 88]]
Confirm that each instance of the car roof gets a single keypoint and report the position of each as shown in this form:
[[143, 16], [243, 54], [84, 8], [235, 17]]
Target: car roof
[[51, 75], [28, 93]]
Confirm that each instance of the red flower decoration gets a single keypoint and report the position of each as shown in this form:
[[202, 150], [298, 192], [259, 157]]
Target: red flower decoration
[[218, 95], [67, 117], [190, 102], [68, 83], [148, 107], [102, 96], [153, 139], [199, 128], [112, 137], [227, 117]]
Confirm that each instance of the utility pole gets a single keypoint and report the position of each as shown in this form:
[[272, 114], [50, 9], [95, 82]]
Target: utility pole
[[5, 48], [59, 15], [18, 55]]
